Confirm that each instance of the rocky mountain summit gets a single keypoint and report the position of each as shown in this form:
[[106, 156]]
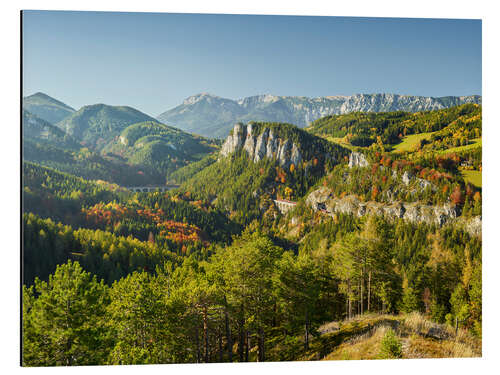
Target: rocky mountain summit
[[266, 144], [213, 116]]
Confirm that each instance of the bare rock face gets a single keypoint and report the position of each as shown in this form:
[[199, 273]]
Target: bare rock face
[[249, 145], [318, 197], [285, 153], [272, 146], [260, 147], [265, 145], [323, 200], [227, 148], [474, 226], [233, 141], [296, 157], [357, 159]]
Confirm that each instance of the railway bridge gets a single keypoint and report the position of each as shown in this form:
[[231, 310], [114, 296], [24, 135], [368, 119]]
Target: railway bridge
[[147, 189], [284, 205]]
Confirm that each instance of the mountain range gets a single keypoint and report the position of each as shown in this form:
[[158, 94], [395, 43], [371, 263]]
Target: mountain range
[[213, 116], [113, 143]]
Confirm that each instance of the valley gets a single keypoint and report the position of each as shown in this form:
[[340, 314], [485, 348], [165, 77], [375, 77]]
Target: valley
[[284, 229]]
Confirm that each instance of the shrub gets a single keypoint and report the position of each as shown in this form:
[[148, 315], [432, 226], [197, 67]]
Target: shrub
[[391, 346]]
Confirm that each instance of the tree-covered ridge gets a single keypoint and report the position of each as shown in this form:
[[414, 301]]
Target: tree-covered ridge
[[363, 129], [89, 165], [158, 147], [245, 189], [46, 107], [98, 124], [50, 193], [39, 130]]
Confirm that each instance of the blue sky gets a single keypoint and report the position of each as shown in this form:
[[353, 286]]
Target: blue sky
[[152, 61]]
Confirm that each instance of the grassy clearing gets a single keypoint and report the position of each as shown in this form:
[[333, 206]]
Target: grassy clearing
[[366, 346], [473, 177], [475, 143], [340, 142], [409, 142]]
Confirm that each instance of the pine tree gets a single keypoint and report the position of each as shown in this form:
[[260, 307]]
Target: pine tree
[[67, 319]]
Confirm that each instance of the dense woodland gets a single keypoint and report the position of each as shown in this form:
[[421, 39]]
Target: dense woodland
[[213, 272], [364, 129]]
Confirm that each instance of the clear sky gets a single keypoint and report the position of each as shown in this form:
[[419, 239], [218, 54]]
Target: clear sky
[[152, 61]]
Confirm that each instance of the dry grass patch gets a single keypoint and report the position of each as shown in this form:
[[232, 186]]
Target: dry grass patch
[[420, 347], [366, 346]]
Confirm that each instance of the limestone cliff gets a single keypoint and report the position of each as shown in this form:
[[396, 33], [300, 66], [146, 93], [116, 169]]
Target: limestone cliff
[[323, 200], [266, 144]]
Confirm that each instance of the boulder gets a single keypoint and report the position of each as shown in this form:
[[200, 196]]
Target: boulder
[[407, 177]]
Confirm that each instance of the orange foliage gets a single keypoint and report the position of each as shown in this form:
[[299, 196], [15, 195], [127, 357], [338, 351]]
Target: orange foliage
[[457, 196], [114, 213], [477, 196]]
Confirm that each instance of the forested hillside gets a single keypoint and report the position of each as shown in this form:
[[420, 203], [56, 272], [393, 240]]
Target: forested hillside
[[365, 128], [293, 162], [36, 129], [98, 124], [158, 147], [348, 240]]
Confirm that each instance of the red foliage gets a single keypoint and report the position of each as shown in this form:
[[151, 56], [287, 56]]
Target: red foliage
[[113, 213], [457, 196]]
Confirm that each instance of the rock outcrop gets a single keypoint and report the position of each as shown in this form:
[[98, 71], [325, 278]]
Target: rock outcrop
[[357, 159], [266, 144], [323, 200]]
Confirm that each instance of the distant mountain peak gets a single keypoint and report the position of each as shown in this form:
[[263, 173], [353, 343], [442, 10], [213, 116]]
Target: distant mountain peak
[[198, 97], [46, 107], [47, 99]]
